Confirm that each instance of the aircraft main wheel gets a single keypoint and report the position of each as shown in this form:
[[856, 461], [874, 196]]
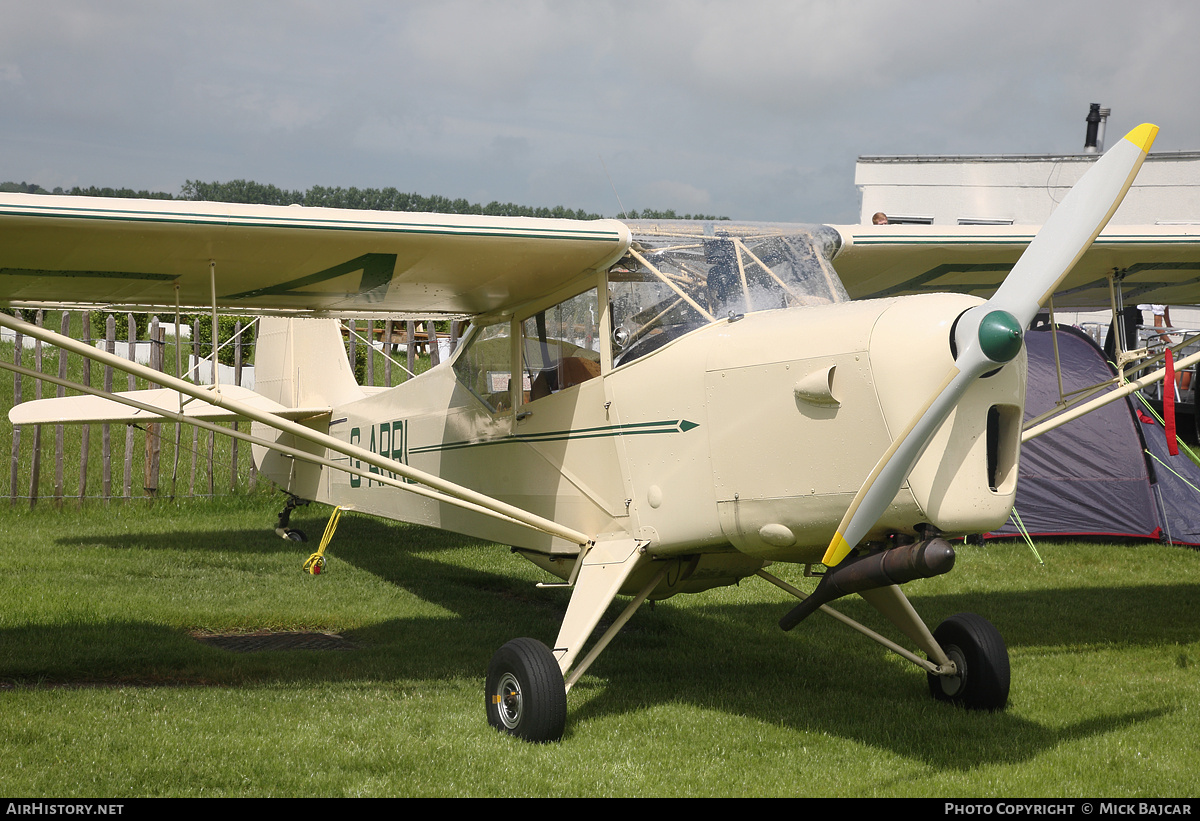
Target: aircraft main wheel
[[526, 696], [978, 651]]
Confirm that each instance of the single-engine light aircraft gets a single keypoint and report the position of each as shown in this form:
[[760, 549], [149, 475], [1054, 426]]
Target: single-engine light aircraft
[[640, 409]]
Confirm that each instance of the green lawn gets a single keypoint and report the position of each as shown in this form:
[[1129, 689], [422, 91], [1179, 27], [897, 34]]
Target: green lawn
[[105, 692]]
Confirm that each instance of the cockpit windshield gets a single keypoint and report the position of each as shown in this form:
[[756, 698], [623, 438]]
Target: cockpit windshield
[[681, 275]]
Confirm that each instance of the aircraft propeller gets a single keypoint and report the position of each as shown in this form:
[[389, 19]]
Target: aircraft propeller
[[990, 335]]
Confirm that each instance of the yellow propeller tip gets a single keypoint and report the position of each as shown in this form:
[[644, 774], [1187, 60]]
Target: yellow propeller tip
[[837, 550], [1143, 136]]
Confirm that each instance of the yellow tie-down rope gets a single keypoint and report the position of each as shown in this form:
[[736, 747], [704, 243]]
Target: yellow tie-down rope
[[316, 562]]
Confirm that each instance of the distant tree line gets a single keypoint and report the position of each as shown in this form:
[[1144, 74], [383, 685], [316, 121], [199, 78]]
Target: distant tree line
[[669, 214], [370, 199], [90, 191]]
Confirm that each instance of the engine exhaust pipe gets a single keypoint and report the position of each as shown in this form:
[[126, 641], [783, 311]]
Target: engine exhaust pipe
[[897, 565]]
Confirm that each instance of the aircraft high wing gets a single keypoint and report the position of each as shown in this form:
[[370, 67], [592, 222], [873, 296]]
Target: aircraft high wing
[[1153, 263], [644, 409], [262, 259], [1126, 266]]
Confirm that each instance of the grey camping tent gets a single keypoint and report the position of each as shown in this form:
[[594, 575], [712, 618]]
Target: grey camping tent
[[1093, 477]]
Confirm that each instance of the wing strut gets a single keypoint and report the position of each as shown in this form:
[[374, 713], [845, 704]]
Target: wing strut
[[1111, 396], [159, 412], [485, 504], [212, 287]]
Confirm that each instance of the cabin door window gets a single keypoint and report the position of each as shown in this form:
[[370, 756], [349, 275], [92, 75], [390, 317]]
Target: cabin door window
[[561, 345]]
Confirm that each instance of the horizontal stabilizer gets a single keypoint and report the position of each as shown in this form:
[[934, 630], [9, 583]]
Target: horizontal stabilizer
[[85, 409]]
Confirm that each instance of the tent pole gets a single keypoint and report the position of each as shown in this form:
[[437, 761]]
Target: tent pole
[[1062, 400]]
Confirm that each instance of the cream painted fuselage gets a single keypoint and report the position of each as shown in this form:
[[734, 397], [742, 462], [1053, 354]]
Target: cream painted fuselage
[[745, 439]]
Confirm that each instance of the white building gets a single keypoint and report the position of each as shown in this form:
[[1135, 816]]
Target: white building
[[1017, 189], [1023, 189]]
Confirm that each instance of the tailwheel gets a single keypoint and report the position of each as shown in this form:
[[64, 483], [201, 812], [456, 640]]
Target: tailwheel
[[526, 696], [285, 517], [978, 651]]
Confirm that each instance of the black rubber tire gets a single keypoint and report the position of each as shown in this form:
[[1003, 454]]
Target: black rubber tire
[[978, 650], [525, 693]]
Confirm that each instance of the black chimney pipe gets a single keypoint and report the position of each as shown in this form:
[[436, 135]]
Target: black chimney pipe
[[1093, 128]]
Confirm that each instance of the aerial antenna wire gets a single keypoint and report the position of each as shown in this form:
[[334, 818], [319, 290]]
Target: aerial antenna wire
[[620, 204]]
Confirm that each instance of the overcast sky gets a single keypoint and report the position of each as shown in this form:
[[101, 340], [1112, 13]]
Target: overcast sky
[[754, 110]]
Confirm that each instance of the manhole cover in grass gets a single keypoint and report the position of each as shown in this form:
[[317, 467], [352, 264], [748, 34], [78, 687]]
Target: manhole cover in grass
[[268, 640]]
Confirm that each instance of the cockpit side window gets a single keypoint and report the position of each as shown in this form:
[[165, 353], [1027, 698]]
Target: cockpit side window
[[485, 366], [561, 345]]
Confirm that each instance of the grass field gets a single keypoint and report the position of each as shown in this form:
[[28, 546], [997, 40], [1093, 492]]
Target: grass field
[[106, 692]]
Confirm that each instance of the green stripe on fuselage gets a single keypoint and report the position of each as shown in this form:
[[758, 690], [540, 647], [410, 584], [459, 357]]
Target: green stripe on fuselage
[[635, 429]]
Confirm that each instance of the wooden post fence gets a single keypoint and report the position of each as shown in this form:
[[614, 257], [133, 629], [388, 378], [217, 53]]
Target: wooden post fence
[[25, 470]]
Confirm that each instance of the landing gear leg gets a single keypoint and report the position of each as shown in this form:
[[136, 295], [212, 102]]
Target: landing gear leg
[[285, 516], [527, 683]]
